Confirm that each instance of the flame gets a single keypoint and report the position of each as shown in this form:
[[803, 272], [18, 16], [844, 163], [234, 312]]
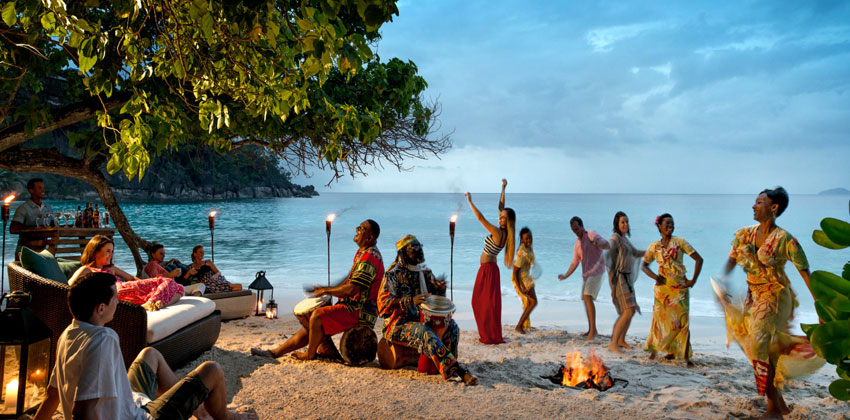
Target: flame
[[331, 217], [213, 213], [9, 198], [577, 370], [454, 218], [260, 305]]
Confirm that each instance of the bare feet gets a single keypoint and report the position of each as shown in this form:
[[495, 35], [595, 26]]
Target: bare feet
[[469, 379], [689, 364], [519, 330], [302, 355], [591, 335], [614, 348], [257, 351], [670, 356], [652, 355], [243, 416], [625, 345]]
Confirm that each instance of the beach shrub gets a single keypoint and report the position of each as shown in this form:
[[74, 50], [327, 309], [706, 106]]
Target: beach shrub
[[831, 338]]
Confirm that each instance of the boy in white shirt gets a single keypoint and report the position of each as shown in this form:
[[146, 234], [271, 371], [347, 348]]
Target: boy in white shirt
[[90, 382]]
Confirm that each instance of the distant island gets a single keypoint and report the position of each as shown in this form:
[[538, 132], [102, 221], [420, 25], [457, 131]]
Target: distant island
[[835, 191]]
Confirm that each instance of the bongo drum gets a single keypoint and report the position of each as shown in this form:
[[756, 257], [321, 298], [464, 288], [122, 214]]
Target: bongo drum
[[358, 346], [437, 311], [311, 304]]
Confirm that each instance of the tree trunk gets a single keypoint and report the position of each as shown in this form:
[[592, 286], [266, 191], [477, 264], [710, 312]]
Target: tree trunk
[[51, 161]]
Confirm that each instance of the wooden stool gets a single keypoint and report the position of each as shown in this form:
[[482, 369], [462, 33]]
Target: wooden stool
[[358, 346], [394, 356]]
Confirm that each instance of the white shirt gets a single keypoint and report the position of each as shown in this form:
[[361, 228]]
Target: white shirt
[[88, 366], [26, 214]]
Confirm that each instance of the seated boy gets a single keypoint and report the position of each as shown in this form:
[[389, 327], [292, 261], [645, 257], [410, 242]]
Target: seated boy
[[90, 382]]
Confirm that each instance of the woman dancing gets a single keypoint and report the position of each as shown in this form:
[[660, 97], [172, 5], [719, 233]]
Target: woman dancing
[[622, 271], [487, 293], [670, 330], [153, 294], [523, 283], [761, 325]]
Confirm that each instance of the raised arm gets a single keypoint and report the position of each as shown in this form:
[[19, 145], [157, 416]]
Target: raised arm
[[502, 197], [494, 230]]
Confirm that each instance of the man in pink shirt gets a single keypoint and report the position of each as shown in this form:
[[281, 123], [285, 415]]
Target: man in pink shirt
[[588, 250]]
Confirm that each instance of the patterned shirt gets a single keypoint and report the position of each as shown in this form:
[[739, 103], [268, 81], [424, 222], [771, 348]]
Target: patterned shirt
[[366, 273], [395, 298], [669, 258], [765, 266]]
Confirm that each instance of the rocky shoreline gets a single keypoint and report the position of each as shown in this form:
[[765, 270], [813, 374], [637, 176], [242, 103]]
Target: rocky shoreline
[[181, 193]]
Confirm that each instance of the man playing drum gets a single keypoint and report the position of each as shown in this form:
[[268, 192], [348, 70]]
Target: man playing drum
[[399, 298], [356, 306]]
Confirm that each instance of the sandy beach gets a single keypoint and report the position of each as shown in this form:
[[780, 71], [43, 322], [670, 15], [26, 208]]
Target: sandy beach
[[720, 386]]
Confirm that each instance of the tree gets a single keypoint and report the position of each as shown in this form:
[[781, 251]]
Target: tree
[[138, 78]]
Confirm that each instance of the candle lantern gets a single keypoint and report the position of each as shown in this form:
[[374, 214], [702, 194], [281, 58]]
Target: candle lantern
[[4, 214], [24, 357], [271, 309], [212, 235], [328, 222], [452, 255], [261, 284]]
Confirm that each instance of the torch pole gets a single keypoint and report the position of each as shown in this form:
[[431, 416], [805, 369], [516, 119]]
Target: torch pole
[[452, 257], [212, 234], [328, 231]]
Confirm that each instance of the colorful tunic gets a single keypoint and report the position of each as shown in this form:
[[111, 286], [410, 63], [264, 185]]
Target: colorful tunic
[[524, 260], [401, 317], [761, 325], [157, 291], [367, 272], [622, 272], [669, 331]]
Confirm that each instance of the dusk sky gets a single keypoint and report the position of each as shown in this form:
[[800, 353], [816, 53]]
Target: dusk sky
[[627, 96]]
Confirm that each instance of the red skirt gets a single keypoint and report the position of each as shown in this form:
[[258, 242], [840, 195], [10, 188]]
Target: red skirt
[[487, 304]]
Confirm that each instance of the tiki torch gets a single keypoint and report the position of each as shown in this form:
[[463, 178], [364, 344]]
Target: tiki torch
[[328, 222], [212, 234], [4, 212], [452, 255]]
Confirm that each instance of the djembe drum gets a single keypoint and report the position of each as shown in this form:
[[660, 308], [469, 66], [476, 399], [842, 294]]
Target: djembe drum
[[436, 312], [310, 304], [358, 345]]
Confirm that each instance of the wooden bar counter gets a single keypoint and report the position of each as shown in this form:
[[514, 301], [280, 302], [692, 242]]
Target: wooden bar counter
[[65, 242]]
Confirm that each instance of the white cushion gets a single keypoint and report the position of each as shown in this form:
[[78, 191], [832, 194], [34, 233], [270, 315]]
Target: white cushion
[[185, 311]]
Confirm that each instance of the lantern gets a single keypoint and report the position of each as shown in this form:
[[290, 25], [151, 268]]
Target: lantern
[[260, 284], [24, 357], [271, 309]]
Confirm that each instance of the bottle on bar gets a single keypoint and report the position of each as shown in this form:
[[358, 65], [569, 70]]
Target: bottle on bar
[[78, 218], [87, 216], [96, 217]]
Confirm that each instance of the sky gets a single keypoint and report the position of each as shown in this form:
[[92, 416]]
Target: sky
[[626, 96]]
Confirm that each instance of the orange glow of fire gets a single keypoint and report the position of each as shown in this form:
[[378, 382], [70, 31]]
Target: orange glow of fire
[[577, 370], [213, 213], [9, 198], [260, 306], [454, 218], [331, 217]]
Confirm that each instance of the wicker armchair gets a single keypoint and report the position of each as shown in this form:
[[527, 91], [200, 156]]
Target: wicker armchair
[[49, 303]]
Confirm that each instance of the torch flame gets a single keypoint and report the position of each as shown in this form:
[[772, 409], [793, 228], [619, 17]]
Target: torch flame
[[9, 198], [213, 213], [454, 218], [331, 217]]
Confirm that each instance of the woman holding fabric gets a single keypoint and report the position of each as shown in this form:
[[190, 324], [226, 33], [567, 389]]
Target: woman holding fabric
[[622, 272], [487, 292], [153, 294], [670, 328], [761, 325]]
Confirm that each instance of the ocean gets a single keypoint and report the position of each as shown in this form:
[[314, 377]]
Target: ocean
[[286, 237]]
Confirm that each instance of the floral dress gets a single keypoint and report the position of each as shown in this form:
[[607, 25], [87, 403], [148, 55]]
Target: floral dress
[[524, 260], [153, 293], [669, 332], [761, 325]]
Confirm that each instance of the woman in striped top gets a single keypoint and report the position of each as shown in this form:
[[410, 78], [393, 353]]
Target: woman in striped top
[[487, 293]]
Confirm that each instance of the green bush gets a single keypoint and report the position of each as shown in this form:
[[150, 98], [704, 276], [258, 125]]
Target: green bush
[[831, 338]]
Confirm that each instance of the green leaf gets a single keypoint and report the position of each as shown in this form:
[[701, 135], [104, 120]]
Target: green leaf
[[808, 329], [831, 341], [10, 16], [821, 239], [843, 369], [48, 21], [846, 272], [831, 290], [207, 26], [838, 231], [840, 389], [114, 164]]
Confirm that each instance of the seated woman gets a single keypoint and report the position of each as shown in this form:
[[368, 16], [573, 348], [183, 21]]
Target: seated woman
[[153, 294], [157, 267], [204, 271]]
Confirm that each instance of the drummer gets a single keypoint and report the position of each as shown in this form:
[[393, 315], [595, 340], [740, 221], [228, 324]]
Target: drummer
[[356, 305], [398, 303]]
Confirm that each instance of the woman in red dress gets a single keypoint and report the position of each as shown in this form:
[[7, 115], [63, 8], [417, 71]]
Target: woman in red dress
[[487, 292]]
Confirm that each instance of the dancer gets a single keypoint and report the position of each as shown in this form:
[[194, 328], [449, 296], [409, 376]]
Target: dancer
[[588, 250], [670, 328], [622, 272], [523, 283], [487, 293], [406, 285], [152, 294], [761, 325], [357, 304]]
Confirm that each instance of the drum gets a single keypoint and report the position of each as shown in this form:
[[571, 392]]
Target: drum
[[358, 345], [311, 304], [437, 311]]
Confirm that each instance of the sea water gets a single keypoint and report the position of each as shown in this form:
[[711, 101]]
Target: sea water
[[286, 237]]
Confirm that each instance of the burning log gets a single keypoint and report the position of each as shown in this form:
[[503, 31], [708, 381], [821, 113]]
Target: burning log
[[584, 374]]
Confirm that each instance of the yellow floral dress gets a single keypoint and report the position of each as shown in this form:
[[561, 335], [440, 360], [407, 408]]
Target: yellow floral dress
[[761, 324], [524, 260], [669, 332]]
